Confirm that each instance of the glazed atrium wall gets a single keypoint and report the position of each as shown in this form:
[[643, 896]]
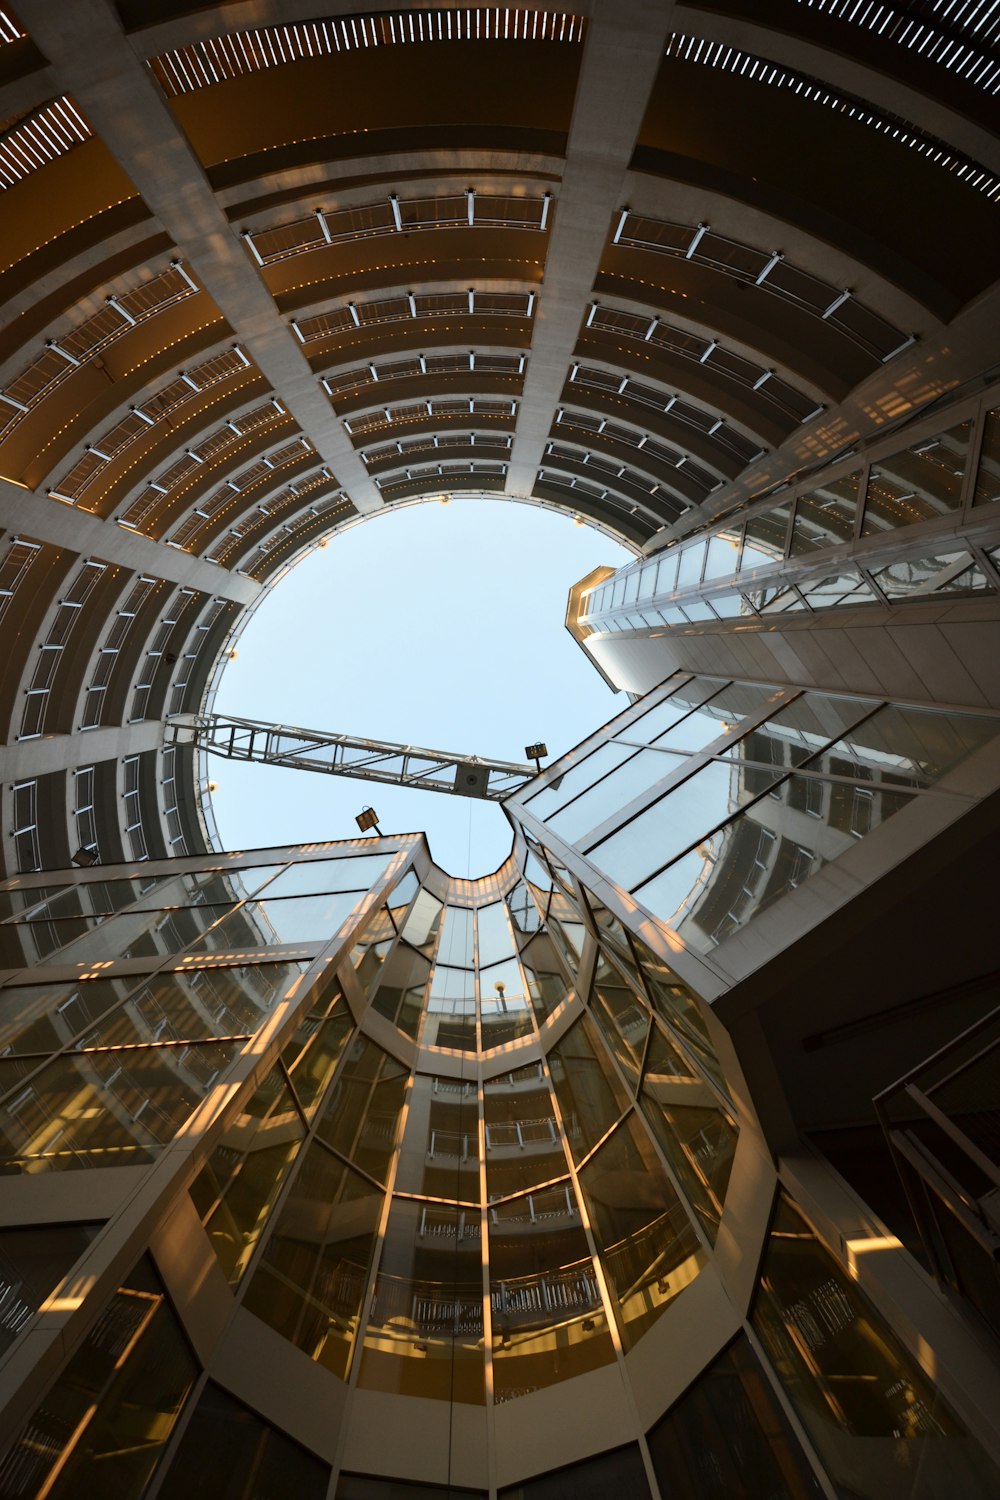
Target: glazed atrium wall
[[665, 1156]]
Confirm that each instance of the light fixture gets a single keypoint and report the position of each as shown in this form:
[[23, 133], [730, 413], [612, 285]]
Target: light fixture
[[368, 818], [535, 752], [86, 855]]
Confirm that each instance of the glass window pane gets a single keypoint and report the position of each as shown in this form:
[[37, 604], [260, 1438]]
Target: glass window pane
[[32, 1264], [229, 1452], [826, 516], [696, 1137], [622, 1018], [728, 1438], [495, 940], [298, 919], [723, 553], [360, 1115], [42, 1017], [765, 538], [591, 1095], [523, 1142], [504, 1008], [425, 1332], [440, 1152], [879, 1425], [918, 484], [647, 1244], [310, 1281], [107, 1109], [549, 1322], [908, 746], [401, 987], [952, 572], [455, 945], [421, 926], [692, 561], [130, 1376], [546, 986], [616, 791], [577, 779], [988, 476], [618, 1473], [314, 876]]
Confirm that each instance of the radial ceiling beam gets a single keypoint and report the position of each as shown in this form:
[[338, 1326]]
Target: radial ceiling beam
[[93, 61], [623, 50]]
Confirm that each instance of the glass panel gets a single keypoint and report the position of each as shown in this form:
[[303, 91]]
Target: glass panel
[[523, 1145], [695, 1136], [798, 730], [826, 516], [918, 484], [425, 1332], [728, 1438], [310, 1281], [765, 852], [723, 553], [42, 1017], [937, 573], [236, 1190], [838, 590], [649, 726], [107, 1109], [648, 1246], [523, 912], [616, 791], [880, 1427], [22, 898], [421, 926], [402, 894], [577, 778], [298, 919], [440, 1151], [549, 1322], [450, 1016], [618, 1473], [228, 1451], [675, 1003], [400, 993], [311, 877], [105, 1422], [504, 1008], [662, 831], [32, 1264], [193, 1005], [591, 1095], [765, 538], [908, 746], [495, 941], [360, 1116], [546, 986], [692, 560], [314, 1050], [204, 887], [132, 935], [988, 476], [622, 1017], [455, 946]]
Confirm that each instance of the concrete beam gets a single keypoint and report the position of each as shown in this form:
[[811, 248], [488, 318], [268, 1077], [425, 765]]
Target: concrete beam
[[38, 520], [92, 60], [622, 54], [62, 752]]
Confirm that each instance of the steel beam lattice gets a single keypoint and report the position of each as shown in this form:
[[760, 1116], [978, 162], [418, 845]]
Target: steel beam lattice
[[346, 755]]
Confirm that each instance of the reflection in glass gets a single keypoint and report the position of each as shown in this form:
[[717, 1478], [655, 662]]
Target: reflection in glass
[[695, 1135], [236, 1189], [32, 1264], [228, 1451], [728, 1438], [546, 986], [127, 1380], [422, 924], [765, 538], [988, 475], [310, 1281], [952, 572], [313, 877], [880, 1427], [400, 993], [918, 484], [826, 516], [295, 919], [623, 1020], [455, 946], [425, 1329], [107, 1109], [591, 1095], [504, 1008], [42, 1017], [361, 1113], [450, 1016], [647, 1244]]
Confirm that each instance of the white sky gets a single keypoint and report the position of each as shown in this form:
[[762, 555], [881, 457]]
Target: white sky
[[433, 625]]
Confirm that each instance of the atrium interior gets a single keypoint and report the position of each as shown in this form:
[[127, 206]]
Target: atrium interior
[[662, 1160]]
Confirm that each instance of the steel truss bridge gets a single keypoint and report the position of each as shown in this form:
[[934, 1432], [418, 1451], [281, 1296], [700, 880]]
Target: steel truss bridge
[[345, 755]]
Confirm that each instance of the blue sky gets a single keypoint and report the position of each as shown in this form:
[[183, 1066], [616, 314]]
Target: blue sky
[[433, 625]]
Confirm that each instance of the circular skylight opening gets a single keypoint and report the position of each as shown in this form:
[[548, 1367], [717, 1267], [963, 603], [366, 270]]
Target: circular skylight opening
[[438, 625]]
